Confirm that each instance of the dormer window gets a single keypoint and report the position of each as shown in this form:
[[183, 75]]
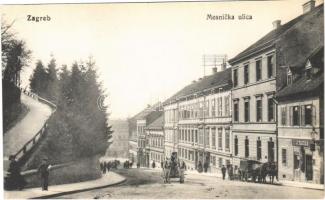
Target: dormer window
[[308, 70], [289, 77]]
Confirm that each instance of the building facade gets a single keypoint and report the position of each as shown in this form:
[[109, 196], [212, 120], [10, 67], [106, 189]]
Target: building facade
[[254, 110], [155, 135], [301, 122], [201, 132]]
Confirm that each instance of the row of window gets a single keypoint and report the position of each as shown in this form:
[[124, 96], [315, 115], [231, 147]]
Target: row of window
[[258, 71], [140, 130], [156, 142], [186, 154], [213, 161], [270, 148], [157, 157], [193, 135], [258, 107], [171, 116], [303, 115], [208, 108]]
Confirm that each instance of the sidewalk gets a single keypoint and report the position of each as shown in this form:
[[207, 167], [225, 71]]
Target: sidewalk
[[106, 180], [302, 185]]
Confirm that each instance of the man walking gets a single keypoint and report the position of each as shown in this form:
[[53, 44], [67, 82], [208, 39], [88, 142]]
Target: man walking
[[44, 169], [223, 170]]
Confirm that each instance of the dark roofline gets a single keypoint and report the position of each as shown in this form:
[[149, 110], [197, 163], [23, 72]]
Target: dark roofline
[[178, 96], [252, 50]]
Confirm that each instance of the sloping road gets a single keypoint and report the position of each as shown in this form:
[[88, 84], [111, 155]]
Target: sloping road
[[26, 129]]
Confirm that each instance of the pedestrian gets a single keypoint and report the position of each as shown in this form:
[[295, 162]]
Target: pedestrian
[[101, 166], [199, 167], [153, 164], [138, 165], [223, 170], [108, 166], [182, 168], [14, 180], [105, 167], [230, 172], [167, 167], [161, 164], [206, 165], [44, 169]]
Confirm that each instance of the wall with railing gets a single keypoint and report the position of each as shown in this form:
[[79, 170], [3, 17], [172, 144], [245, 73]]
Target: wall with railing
[[29, 146]]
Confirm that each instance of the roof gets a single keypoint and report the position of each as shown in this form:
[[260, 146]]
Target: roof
[[219, 79], [286, 32], [157, 124], [303, 88], [303, 39]]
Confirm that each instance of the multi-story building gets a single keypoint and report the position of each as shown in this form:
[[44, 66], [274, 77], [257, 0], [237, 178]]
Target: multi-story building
[[203, 129], [258, 73], [155, 135], [170, 126], [301, 123], [135, 130], [142, 122], [301, 99]]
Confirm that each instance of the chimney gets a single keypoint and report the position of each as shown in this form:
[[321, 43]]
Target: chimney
[[308, 6], [214, 70], [276, 24]]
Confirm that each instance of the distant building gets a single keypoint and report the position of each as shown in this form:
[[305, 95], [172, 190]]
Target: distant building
[[155, 135], [142, 121]]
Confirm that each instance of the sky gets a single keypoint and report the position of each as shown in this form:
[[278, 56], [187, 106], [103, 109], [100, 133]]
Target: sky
[[144, 52]]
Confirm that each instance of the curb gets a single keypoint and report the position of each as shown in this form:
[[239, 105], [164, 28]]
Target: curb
[[77, 191], [305, 187]]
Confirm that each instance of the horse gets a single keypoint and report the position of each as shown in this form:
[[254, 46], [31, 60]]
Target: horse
[[267, 169]]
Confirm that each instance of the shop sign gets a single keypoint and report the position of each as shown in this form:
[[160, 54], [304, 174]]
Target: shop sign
[[299, 142]]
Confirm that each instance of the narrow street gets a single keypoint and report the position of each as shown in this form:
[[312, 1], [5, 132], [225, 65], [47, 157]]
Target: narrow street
[[146, 183]]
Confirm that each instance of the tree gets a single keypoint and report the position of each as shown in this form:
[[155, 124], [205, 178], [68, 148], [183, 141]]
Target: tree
[[15, 54], [52, 81], [38, 79]]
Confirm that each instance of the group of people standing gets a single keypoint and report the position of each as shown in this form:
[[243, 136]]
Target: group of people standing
[[107, 166]]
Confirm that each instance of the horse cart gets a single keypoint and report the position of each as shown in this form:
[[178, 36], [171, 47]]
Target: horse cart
[[172, 170], [249, 169]]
